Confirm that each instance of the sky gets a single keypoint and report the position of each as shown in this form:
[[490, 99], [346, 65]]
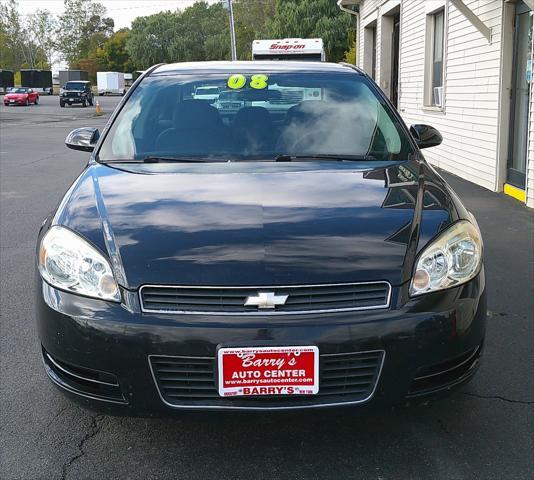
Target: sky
[[123, 12]]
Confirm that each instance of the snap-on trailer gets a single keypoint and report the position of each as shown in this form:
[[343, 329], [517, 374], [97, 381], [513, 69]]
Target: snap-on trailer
[[7, 80], [289, 49], [38, 80], [110, 83], [70, 75]]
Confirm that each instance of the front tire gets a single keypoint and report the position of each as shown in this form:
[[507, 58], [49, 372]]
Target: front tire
[[27, 102], [62, 104], [84, 103]]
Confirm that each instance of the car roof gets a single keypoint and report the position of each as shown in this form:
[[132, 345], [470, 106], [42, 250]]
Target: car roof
[[274, 66]]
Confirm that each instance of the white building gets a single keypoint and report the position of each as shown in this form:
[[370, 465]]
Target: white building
[[464, 67]]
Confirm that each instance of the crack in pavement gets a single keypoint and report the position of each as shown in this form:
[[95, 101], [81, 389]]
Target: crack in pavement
[[499, 397], [50, 422], [94, 428]]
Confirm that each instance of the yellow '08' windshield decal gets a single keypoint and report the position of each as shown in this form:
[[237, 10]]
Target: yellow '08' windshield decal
[[237, 81], [258, 82]]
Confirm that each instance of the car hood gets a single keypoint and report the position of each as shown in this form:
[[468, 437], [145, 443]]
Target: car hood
[[258, 224]]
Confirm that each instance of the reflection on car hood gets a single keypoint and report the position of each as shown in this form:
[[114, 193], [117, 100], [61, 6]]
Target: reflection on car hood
[[274, 225]]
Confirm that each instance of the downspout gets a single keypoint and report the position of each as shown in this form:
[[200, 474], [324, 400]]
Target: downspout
[[357, 15]]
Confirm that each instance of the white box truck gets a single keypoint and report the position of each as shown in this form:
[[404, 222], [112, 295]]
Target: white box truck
[[289, 49], [110, 83]]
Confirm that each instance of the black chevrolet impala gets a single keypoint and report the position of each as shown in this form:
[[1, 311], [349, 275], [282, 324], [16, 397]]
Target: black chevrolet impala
[[288, 248]]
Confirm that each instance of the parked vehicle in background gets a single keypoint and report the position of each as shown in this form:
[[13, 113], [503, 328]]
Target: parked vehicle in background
[[209, 93], [76, 92], [69, 75], [289, 49], [128, 80], [7, 80], [110, 83], [21, 96], [229, 102], [38, 80]]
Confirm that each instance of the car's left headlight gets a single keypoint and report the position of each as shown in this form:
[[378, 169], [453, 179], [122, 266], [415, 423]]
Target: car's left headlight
[[69, 262], [453, 258]]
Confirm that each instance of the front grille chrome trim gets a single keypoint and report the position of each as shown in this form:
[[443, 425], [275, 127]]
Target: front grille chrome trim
[[265, 312]]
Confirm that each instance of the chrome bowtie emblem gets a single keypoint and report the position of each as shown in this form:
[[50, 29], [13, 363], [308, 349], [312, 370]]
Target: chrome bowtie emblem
[[265, 300]]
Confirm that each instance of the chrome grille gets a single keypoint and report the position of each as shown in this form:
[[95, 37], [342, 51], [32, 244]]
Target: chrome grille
[[231, 300], [192, 382]]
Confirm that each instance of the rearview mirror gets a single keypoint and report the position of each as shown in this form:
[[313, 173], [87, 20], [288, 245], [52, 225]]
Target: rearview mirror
[[83, 139], [426, 136]]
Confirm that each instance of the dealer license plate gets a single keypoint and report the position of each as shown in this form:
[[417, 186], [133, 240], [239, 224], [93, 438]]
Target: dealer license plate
[[253, 371]]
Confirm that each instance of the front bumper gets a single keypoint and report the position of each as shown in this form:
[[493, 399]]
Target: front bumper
[[14, 102], [429, 344], [71, 100]]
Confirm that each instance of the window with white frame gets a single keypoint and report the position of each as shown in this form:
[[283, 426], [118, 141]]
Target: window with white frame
[[434, 58]]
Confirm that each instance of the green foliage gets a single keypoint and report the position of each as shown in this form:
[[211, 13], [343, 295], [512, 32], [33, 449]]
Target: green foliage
[[84, 37], [350, 54], [200, 32], [82, 29], [20, 46], [312, 19], [42, 26], [150, 39], [112, 55], [251, 18]]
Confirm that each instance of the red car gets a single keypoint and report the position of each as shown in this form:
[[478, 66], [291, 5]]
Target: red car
[[21, 96]]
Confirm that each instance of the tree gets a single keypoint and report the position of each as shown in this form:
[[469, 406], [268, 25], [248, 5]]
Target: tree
[[19, 44], [150, 39], [12, 36], [42, 26], [200, 32], [312, 18], [251, 18], [112, 55], [350, 54], [82, 28], [203, 34]]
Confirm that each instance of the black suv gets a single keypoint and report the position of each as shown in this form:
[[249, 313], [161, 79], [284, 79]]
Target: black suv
[[78, 91]]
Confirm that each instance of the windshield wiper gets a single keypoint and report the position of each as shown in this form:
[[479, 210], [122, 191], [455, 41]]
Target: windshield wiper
[[160, 159], [333, 157]]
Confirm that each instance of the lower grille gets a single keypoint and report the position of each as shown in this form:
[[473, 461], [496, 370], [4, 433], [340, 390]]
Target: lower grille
[[83, 381], [192, 382], [299, 299], [445, 374]]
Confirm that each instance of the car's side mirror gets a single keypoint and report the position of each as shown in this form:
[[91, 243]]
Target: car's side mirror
[[84, 139], [426, 136]]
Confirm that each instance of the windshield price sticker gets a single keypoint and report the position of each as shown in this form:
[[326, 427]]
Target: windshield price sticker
[[256, 371], [238, 81]]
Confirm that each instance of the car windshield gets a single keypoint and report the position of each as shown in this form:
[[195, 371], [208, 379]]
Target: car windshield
[[280, 114], [75, 86], [19, 90]]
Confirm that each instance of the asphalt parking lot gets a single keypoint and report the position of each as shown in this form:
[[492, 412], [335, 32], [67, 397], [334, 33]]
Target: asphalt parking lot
[[484, 431]]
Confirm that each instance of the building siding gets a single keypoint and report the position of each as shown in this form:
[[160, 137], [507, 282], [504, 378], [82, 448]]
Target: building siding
[[530, 158], [469, 119]]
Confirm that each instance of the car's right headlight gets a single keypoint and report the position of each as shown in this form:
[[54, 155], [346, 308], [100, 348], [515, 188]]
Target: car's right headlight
[[69, 262], [453, 258]]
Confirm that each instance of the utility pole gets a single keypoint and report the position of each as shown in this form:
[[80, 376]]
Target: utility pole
[[227, 5]]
